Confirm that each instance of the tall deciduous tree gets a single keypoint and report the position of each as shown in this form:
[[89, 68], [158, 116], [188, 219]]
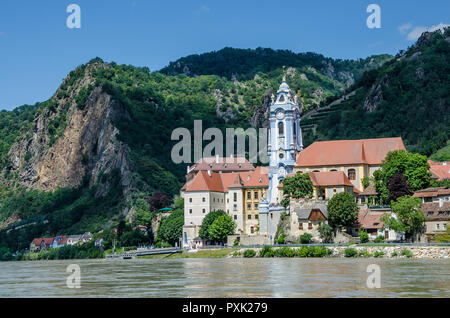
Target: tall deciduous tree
[[410, 217], [221, 228], [342, 210], [398, 186], [296, 187], [414, 167], [208, 220]]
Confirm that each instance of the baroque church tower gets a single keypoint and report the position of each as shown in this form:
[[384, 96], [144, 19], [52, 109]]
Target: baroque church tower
[[284, 143]]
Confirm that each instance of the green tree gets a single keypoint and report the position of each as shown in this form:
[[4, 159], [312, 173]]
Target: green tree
[[363, 236], [221, 228], [413, 166], [296, 187], [208, 220], [409, 219], [326, 233], [171, 227], [342, 210]]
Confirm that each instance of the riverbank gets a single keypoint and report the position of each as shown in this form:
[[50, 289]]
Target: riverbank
[[346, 251], [378, 251]]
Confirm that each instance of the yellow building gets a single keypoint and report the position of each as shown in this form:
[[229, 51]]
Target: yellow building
[[355, 158]]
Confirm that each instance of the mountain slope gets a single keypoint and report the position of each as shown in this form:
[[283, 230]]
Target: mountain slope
[[407, 97]]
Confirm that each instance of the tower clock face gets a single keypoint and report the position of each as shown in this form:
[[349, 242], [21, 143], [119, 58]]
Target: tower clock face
[[280, 114]]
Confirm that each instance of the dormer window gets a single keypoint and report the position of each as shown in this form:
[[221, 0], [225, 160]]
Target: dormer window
[[281, 99]]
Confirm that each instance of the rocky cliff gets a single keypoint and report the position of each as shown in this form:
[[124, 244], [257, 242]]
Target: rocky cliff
[[87, 147]]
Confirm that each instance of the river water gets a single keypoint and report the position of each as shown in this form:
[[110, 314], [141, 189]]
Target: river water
[[256, 277]]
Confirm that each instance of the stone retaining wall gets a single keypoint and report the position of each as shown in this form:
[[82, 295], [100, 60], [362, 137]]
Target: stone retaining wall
[[417, 251]]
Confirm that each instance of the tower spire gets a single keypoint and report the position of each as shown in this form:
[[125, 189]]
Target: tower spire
[[284, 73]]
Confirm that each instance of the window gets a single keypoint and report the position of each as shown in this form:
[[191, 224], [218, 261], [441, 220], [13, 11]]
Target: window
[[190, 211], [249, 206], [204, 210], [256, 206], [203, 199], [256, 216], [309, 225], [228, 200], [281, 129], [249, 217], [351, 174], [300, 226], [430, 213], [444, 226], [252, 230], [333, 170], [190, 200], [235, 217], [235, 197], [235, 207], [255, 195], [437, 226], [249, 195]]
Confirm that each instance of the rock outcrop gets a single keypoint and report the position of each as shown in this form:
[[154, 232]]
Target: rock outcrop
[[88, 146]]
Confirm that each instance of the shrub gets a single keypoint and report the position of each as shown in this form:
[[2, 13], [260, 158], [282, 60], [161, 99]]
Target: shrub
[[379, 239], [304, 251], [407, 253], [284, 252], [350, 252], [305, 238], [267, 251], [320, 251], [364, 253], [378, 254], [281, 239], [363, 236], [394, 254], [249, 253], [326, 233]]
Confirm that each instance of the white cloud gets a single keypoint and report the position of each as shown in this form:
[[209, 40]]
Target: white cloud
[[405, 27], [417, 31]]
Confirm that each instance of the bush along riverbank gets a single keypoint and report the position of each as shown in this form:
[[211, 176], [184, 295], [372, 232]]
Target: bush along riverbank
[[349, 251]]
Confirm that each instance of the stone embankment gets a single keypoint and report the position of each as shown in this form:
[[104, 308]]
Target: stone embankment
[[380, 251]]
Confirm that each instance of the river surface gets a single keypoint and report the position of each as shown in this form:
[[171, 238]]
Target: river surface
[[275, 277]]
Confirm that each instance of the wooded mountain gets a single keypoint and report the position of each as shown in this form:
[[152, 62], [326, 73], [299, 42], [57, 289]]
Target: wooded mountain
[[100, 146]]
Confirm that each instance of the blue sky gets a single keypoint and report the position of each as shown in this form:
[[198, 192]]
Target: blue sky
[[37, 50]]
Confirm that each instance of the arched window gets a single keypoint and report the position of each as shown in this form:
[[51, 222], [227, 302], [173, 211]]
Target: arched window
[[281, 98], [351, 174], [333, 170], [280, 129]]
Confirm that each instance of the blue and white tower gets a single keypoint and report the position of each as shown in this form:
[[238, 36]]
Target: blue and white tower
[[285, 142]]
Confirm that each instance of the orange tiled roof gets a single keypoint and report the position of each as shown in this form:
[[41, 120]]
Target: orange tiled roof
[[434, 212], [439, 170], [369, 220], [231, 180], [206, 181], [224, 164], [346, 152], [329, 178], [431, 192], [257, 178]]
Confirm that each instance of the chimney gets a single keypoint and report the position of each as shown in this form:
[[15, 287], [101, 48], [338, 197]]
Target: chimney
[[209, 172], [217, 158], [441, 202]]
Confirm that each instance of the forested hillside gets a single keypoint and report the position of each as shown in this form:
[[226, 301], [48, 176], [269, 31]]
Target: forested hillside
[[408, 96]]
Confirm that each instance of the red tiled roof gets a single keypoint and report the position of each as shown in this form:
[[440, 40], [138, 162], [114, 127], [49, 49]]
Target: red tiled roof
[[257, 178], [206, 181], [231, 180], [439, 170], [329, 178], [433, 211], [369, 220], [224, 164], [347, 152], [432, 192]]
